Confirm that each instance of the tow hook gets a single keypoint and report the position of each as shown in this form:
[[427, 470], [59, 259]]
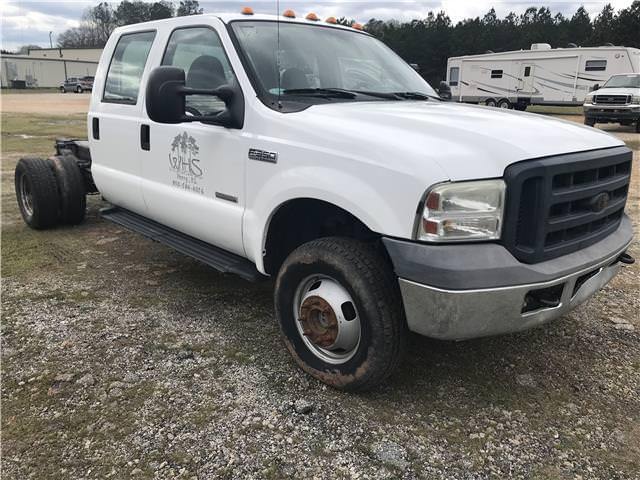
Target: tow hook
[[626, 259]]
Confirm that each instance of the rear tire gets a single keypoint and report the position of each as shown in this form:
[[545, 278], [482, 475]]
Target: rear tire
[[73, 200], [505, 104], [360, 281], [37, 193]]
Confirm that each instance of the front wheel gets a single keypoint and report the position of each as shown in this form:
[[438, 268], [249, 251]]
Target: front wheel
[[78, 89], [63, 90], [638, 126], [340, 312], [490, 102], [589, 121]]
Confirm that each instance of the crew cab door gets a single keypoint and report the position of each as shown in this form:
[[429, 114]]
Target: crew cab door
[[114, 120], [192, 172]]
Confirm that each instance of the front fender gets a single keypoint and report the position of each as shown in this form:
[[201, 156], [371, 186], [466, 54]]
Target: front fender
[[375, 207]]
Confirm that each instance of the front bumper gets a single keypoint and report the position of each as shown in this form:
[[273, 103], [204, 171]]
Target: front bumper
[[486, 291], [612, 112]]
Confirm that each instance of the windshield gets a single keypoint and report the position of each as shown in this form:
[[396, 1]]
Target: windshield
[[623, 81], [319, 61]]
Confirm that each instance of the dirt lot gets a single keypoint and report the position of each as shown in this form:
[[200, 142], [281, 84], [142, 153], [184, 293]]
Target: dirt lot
[[46, 103], [122, 358]]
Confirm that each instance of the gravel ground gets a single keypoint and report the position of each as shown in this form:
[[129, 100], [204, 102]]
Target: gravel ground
[[124, 359]]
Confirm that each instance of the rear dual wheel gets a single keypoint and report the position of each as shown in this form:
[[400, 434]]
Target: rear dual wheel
[[50, 192], [340, 312]]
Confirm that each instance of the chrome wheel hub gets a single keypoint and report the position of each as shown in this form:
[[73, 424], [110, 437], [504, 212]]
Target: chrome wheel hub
[[26, 196], [327, 319]]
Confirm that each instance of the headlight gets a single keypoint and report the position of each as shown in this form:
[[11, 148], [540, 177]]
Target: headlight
[[635, 99], [589, 98], [463, 211]]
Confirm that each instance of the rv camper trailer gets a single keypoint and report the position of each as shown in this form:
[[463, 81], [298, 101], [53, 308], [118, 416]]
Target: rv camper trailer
[[540, 76]]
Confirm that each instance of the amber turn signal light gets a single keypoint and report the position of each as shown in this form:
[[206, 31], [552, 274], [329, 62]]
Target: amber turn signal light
[[289, 14], [247, 11]]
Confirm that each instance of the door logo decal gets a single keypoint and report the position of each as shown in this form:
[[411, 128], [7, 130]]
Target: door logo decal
[[184, 163]]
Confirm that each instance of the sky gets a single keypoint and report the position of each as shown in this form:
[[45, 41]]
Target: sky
[[29, 22]]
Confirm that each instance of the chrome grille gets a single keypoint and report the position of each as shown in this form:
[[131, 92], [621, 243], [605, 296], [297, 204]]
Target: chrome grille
[[612, 99]]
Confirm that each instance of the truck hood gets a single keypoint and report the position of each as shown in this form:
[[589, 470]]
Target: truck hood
[[617, 91], [465, 141]]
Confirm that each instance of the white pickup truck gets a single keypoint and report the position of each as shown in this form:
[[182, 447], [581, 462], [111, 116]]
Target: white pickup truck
[[309, 152]]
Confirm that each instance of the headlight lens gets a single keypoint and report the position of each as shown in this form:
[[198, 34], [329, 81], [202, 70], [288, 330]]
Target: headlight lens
[[635, 99], [589, 98], [463, 211]]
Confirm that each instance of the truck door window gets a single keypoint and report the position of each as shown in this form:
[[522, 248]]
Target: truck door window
[[527, 71], [199, 52], [454, 72], [496, 73], [595, 65], [127, 65]]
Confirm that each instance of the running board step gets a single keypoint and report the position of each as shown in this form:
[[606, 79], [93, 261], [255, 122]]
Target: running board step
[[215, 257]]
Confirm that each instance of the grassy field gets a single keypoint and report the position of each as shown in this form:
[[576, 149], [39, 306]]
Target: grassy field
[[122, 358]]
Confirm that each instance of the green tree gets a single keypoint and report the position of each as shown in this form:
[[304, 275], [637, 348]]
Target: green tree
[[188, 7], [627, 26], [579, 27]]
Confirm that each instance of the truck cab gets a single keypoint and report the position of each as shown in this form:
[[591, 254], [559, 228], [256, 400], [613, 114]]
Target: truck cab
[[617, 101], [309, 152]]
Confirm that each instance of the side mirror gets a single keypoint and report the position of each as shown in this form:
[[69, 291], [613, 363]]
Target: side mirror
[[415, 66], [165, 100], [444, 90], [596, 87]]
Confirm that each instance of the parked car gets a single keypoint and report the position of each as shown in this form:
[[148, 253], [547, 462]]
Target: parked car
[[333, 167], [77, 84], [618, 101]]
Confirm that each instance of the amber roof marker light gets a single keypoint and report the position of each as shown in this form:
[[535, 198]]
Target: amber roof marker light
[[289, 13], [332, 20], [312, 16], [357, 26], [246, 11]]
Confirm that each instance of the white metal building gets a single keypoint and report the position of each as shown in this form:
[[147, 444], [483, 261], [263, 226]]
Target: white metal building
[[48, 67]]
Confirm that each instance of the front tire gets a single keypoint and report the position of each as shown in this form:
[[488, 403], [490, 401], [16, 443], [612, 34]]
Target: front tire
[[78, 89], [490, 102], [589, 122], [340, 312], [37, 193], [63, 90]]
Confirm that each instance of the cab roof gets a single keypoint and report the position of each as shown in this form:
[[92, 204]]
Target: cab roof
[[227, 18]]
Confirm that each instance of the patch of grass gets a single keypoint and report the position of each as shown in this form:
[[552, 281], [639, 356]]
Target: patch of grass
[[35, 134], [551, 110]]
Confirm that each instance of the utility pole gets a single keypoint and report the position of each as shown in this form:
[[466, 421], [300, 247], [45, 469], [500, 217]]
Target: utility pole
[[50, 41]]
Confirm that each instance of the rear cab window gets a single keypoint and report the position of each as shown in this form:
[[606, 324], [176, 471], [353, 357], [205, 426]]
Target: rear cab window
[[126, 67]]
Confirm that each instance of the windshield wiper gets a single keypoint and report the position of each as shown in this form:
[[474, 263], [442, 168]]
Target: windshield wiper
[[321, 92], [340, 93], [416, 96]]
